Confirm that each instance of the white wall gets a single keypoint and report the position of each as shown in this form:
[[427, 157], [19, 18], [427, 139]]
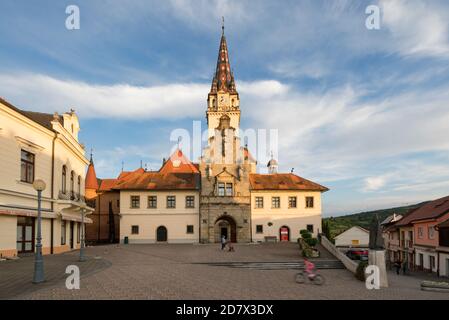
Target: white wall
[[444, 258], [346, 238], [149, 219], [426, 255], [295, 219]]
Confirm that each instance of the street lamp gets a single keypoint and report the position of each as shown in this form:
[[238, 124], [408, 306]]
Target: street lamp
[[39, 186], [83, 243]]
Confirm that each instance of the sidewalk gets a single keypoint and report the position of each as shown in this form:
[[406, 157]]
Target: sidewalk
[[16, 276]]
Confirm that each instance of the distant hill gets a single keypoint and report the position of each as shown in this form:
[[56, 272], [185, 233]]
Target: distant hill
[[363, 219]]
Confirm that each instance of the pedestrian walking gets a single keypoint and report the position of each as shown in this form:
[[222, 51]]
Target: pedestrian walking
[[223, 242], [397, 265]]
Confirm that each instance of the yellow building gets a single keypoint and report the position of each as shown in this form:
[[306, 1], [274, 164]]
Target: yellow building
[[40, 146]]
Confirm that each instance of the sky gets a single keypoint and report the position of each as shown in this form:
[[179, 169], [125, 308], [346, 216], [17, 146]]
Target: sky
[[362, 111]]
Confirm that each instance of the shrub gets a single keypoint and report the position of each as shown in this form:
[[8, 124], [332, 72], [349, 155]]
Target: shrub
[[312, 241], [301, 232], [360, 272]]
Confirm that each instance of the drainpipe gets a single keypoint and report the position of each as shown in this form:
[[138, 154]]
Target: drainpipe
[[53, 169], [52, 184]]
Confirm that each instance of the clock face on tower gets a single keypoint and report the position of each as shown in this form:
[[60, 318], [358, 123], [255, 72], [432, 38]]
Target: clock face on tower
[[223, 100]]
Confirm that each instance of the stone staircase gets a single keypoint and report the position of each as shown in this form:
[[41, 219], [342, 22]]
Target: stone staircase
[[287, 265]]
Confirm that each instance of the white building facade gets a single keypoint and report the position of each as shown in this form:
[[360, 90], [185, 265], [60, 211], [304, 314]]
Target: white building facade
[[40, 146]]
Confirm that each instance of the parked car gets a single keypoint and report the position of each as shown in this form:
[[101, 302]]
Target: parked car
[[357, 254]]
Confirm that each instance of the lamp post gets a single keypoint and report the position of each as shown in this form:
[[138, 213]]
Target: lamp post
[[39, 186], [82, 257]]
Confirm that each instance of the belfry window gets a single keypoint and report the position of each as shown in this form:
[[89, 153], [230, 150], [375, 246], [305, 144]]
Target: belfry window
[[229, 189], [221, 189], [225, 189]]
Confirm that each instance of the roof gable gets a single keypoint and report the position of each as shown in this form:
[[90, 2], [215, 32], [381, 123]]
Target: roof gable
[[178, 163]]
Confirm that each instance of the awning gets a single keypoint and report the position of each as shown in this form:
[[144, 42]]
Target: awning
[[26, 213]]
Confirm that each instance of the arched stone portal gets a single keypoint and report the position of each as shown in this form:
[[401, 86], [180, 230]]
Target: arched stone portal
[[225, 225]]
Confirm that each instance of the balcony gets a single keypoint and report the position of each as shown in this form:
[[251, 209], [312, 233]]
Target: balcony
[[72, 196], [63, 195]]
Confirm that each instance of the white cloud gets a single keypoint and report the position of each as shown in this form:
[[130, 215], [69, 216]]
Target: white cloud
[[374, 183], [47, 94], [417, 27]]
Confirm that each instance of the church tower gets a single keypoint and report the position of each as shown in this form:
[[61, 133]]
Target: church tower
[[223, 98], [225, 165]]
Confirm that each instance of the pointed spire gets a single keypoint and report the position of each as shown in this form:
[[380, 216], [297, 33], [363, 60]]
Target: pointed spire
[[223, 78], [91, 152], [91, 176]]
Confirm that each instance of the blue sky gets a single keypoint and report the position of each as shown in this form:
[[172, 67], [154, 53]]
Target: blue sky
[[364, 112]]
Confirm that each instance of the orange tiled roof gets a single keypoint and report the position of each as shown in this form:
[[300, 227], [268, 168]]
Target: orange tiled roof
[[183, 177], [178, 163], [152, 180], [283, 181], [91, 177], [107, 184]]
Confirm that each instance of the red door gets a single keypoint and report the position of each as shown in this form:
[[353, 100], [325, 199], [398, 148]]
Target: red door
[[285, 234]]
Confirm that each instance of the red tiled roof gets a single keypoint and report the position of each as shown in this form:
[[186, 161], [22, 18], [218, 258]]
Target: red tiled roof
[[107, 184], [91, 178], [430, 210], [152, 180], [283, 181], [178, 163]]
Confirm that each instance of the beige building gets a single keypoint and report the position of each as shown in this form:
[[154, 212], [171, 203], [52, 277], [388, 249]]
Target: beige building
[[160, 206], [40, 146], [354, 237]]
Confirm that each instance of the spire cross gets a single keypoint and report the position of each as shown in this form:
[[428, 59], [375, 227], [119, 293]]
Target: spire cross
[[179, 142], [91, 152], [222, 24]]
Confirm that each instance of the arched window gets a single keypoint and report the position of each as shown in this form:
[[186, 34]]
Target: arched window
[[79, 187], [72, 184], [64, 179]]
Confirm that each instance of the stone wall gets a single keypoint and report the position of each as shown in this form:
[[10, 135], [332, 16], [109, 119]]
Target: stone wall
[[348, 263]]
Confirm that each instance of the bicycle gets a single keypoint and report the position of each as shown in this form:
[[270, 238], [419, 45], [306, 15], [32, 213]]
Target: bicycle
[[314, 278]]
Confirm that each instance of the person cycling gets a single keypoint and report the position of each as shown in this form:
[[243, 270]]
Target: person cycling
[[309, 268]]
